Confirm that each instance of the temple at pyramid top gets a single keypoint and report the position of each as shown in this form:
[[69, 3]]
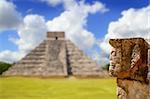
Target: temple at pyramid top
[[56, 35], [56, 56]]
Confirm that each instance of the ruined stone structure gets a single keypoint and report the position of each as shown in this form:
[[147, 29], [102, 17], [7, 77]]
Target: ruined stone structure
[[56, 56], [130, 63]]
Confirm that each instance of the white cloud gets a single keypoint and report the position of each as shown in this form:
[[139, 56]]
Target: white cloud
[[10, 57], [133, 23], [9, 17], [74, 20], [66, 3], [104, 45], [101, 58], [52, 2], [31, 33], [97, 6]]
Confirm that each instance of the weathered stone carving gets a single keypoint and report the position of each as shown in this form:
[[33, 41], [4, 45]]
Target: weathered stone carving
[[129, 63]]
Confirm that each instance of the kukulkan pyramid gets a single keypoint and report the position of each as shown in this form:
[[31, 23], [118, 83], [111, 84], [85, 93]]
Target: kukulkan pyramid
[[55, 56]]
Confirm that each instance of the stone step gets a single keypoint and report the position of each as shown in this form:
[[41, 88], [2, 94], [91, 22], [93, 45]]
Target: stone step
[[82, 66], [86, 61], [37, 53], [40, 55], [74, 57], [71, 47], [25, 68], [43, 43], [79, 57], [31, 57], [34, 57], [75, 53], [22, 66], [40, 49], [31, 61]]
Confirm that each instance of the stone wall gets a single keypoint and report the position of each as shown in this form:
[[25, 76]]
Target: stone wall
[[129, 62], [56, 35], [55, 58]]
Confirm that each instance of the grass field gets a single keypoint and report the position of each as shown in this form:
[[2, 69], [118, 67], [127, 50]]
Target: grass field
[[36, 88]]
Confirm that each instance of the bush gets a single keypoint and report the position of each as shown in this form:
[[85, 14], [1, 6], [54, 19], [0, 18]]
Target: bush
[[106, 67], [4, 66]]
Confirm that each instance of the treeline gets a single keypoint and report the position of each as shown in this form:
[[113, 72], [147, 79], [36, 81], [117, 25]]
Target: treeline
[[4, 66], [106, 67]]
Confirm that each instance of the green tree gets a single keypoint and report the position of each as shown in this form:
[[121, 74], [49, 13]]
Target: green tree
[[106, 67], [4, 66]]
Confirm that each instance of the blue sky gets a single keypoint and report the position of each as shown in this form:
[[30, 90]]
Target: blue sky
[[96, 23]]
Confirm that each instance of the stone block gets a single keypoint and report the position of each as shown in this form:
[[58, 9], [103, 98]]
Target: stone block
[[129, 62]]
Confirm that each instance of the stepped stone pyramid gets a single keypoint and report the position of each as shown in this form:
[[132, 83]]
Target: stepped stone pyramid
[[56, 56]]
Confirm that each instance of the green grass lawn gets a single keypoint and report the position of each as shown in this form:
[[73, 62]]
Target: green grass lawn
[[36, 88]]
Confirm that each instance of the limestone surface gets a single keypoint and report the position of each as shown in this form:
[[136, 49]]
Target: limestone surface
[[56, 56], [130, 63]]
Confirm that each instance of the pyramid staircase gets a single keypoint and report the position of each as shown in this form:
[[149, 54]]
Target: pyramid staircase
[[80, 64], [55, 56], [31, 64]]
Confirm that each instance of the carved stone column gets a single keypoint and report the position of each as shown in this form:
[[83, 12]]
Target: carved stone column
[[129, 63]]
